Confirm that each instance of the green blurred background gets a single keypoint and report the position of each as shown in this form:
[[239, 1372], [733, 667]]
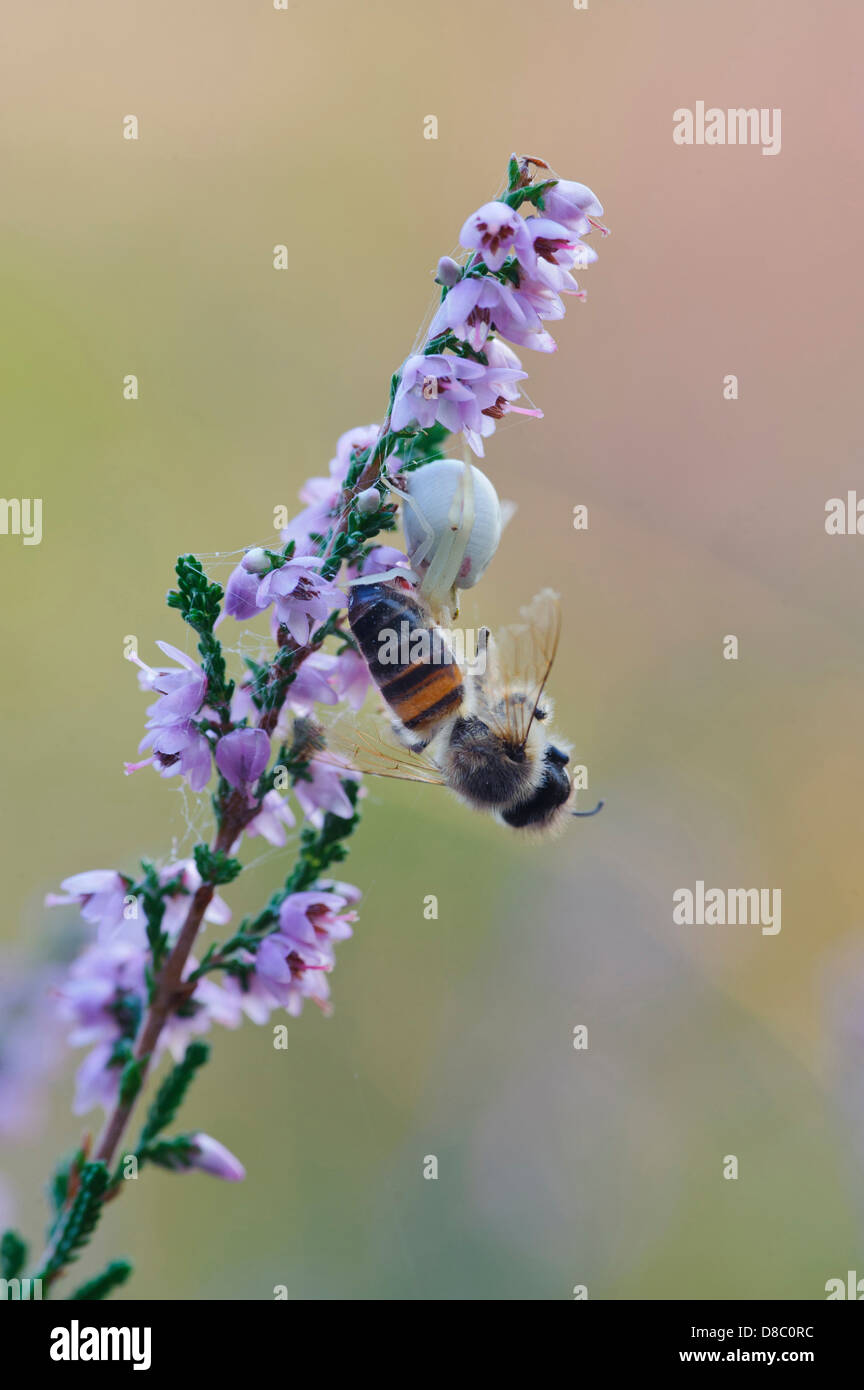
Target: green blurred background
[[454, 1037]]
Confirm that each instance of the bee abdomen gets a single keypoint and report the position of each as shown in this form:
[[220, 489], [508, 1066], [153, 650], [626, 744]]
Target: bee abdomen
[[422, 696], [389, 626]]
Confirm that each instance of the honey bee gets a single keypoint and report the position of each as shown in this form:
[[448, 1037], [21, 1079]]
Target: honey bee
[[480, 731]]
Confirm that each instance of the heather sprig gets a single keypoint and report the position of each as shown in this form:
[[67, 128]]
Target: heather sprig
[[137, 993], [13, 1255], [77, 1223], [199, 602], [172, 1092], [115, 1274]]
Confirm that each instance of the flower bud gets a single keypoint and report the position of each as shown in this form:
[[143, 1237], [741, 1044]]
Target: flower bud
[[448, 272], [369, 501], [242, 756], [209, 1156], [256, 561]]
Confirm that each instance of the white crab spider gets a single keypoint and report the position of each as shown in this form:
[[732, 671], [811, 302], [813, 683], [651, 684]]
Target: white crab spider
[[452, 520]]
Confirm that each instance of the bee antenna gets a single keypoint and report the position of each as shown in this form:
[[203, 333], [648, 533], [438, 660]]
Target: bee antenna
[[598, 807]]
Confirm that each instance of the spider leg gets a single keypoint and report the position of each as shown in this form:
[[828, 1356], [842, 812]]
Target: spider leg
[[422, 550], [439, 582], [399, 572]]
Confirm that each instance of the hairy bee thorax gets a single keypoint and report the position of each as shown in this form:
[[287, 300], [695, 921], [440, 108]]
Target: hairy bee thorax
[[484, 768]]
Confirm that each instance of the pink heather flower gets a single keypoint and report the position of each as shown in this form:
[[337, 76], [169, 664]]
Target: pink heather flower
[[242, 704], [253, 997], [544, 297], [384, 557], [292, 962], [291, 983], [96, 1081], [324, 792], [577, 258], [499, 355], [501, 386], [572, 204], [177, 745], [209, 1156], [103, 974], [460, 394], [99, 894], [182, 689], [538, 340], [349, 445], [301, 596], [350, 677], [549, 242], [479, 304], [551, 277], [242, 756], [312, 685], [306, 983], [271, 820], [102, 996], [349, 891], [310, 924], [104, 982], [241, 594], [437, 387], [30, 1046], [312, 520], [495, 232], [324, 679], [178, 748]]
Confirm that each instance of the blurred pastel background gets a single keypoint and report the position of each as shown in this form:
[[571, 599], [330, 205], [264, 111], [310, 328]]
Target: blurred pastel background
[[454, 1037]]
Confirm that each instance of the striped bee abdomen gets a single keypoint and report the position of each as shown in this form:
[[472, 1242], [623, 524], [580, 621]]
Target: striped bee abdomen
[[408, 657]]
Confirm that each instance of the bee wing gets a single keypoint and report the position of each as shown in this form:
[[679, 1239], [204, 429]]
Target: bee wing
[[368, 750], [519, 659]]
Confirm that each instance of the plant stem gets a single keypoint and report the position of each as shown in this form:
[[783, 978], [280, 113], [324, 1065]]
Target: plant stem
[[169, 989]]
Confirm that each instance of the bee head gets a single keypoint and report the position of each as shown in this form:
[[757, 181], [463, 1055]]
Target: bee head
[[547, 806]]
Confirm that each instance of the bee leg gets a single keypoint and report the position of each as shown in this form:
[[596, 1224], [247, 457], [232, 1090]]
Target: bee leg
[[422, 550], [476, 665], [411, 741]]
